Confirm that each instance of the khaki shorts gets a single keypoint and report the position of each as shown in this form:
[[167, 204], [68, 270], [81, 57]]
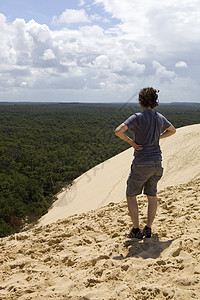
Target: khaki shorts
[[144, 176]]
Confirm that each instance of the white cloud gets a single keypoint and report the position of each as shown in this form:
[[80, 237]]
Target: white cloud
[[181, 64], [48, 54], [162, 72], [96, 17], [149, 42], [81, 2], [164, 24], [101, 62], [72, 16], [23, 84]]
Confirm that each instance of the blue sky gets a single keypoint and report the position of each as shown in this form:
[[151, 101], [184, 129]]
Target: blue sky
[[39, 10], [42, 11], [99, 50]]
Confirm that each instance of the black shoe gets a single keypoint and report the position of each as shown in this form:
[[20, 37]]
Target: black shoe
[[147, 232], [134, 233]]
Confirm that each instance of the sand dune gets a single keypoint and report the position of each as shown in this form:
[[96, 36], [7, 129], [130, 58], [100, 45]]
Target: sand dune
[[86, 256], [106, 182]]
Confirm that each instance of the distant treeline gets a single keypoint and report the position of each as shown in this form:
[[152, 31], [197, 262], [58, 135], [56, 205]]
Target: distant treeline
[[44, 147]]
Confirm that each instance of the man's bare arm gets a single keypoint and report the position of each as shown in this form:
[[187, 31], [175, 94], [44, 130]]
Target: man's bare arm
[[169, 131], [119, 131]]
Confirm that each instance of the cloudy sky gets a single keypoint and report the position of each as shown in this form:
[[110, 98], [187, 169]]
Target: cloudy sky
[[99, 50]]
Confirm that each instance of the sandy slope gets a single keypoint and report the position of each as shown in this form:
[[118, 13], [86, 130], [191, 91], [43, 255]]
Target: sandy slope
[[106, 182], [86, 256]]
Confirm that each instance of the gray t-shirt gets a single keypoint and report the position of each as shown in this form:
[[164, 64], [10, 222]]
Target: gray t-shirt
[[147, 127]]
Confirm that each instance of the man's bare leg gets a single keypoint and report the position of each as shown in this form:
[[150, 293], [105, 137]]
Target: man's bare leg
[[133, 210], [152, 208]]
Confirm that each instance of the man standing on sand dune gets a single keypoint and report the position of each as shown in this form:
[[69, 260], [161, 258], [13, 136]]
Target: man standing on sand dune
[[148, 128]]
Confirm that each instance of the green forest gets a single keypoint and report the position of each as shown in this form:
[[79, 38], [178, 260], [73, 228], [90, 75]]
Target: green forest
[[44, 147]]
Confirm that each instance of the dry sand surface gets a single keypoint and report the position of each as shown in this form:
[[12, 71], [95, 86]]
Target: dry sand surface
[[106, 182], [86, 256]]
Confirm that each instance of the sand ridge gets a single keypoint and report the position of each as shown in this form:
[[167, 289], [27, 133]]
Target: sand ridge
[[87, 257], [106, 182]]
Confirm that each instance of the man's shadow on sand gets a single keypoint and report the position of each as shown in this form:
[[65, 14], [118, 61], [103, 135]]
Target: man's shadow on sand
[[146, 248]]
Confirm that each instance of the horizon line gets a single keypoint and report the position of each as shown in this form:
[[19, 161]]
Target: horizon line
[[80, 102]]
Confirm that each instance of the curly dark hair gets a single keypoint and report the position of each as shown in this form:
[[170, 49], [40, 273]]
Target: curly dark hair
[[148, 97]]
